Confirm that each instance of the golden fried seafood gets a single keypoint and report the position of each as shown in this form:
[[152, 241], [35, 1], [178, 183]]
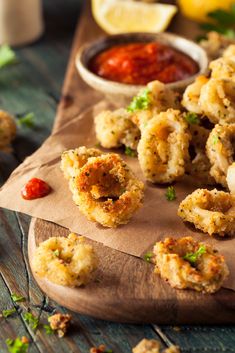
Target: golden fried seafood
[[107, 191], [231, 178], [192, 93], [7, 130], [223, 68], [220, 151], [215, 44], [185, 263], [163, 147], [114, 129], [73, 160], [65, 261], [153, 346], [229, 52], [217, 100], [199, 164], [211, 211]]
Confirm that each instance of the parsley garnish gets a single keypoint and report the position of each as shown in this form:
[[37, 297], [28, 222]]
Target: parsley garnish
[[7, 56], [215, 139], [148, 256], [130, 152], [170, 193], [9, 312], [17, 346], [31, 320], [27, 120], [140, 102], [48, 329], [193, 256], [17, 298], [192, 118], [56, 253]]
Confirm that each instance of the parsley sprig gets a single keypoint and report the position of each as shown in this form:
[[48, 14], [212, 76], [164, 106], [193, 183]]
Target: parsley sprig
[[17, 345], [193, 256], [140, 102], [130, 152], [32, 320], [170, 193], [148, 256], [8, 312], [192, 118], [17, 298], [7, 56], [27, 120]]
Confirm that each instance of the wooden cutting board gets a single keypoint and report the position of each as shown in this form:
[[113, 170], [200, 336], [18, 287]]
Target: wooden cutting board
[[125, 289]]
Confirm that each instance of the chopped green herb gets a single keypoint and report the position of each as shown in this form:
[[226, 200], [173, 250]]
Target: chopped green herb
[[140, 102], [108, 351], [215, 139], [130, 152], [7, 56], [31, 320], [48, 329], [17, 298], [56, 253], [192, 257], [7, 313], [192, 118], [27, 120], [17, 346], [148, 256], [170, 193]]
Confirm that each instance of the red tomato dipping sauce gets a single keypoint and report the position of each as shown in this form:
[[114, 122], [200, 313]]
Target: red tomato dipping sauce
[[140, 63], [34, 189]]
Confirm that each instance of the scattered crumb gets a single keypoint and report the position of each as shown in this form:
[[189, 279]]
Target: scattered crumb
[[24, 339], [176, 328], [59, 323], [152, 346], [101, 349], [172, 349]]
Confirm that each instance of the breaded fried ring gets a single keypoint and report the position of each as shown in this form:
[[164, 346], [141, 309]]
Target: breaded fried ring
[[73, 160], [231, 178], [7, 130], [114, 129], [215, 44], [163, 147], [107, 191], [223, 68], [205, 275], [220, 151], [199, 164], [192, 93], [217, 100], [211, 211], [65, 261]]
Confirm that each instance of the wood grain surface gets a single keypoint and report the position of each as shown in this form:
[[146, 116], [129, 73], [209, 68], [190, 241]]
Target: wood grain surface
[[126, 290]]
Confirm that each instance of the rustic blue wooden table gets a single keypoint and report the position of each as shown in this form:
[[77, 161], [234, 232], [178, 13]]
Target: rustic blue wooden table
[[33, 85]]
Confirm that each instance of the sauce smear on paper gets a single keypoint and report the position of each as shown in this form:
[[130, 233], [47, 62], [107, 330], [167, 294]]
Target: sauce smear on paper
[[140, 63], [34, 189]]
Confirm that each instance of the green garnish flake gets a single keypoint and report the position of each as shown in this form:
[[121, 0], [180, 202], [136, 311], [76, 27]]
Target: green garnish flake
[[56, 253], [192, 118], [170, 193], [27, 120], [17, 346], [8, 312], [140, 102], [148, 256], [130, 152], [17, 298], [31, 320], [192, 257], [215, 139], [48, 329], [7, 56], [108, 351]]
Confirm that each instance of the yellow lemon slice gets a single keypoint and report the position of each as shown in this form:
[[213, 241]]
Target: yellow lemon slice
[[119, 16]]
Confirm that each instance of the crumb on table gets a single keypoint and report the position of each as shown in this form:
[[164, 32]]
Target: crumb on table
[[60, 322]]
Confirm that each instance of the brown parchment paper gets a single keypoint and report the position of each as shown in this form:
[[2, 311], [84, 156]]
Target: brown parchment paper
[[154, 221]]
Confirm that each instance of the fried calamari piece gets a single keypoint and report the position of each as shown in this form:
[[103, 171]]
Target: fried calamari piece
[[60, 323], [223, 68], [231, 178], [185, 263], [220, 151], [211, 211], [215, 44], [7, 130], [192, 93], [153, 346], [229, 52], [65, 261], [217, 100], [163, 147], [107, 191], [114, 129], [73, 160]]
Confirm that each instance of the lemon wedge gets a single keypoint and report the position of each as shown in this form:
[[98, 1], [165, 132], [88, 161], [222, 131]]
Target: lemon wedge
[[120, 16]]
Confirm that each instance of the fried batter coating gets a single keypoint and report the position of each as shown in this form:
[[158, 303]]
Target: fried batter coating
[[192, 93], [206, 274], [220, 151], [65, 261], [199, 164], [114, 129], [211, 211], [107, 191], [153, 346], [7, 130], [215, 44], [73, 160], [163, 147], [231, 178], [223, 68], [217, 100], [229, 52]]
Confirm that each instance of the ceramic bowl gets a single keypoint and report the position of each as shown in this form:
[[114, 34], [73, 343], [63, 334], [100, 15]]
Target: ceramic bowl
[[121, 93]]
